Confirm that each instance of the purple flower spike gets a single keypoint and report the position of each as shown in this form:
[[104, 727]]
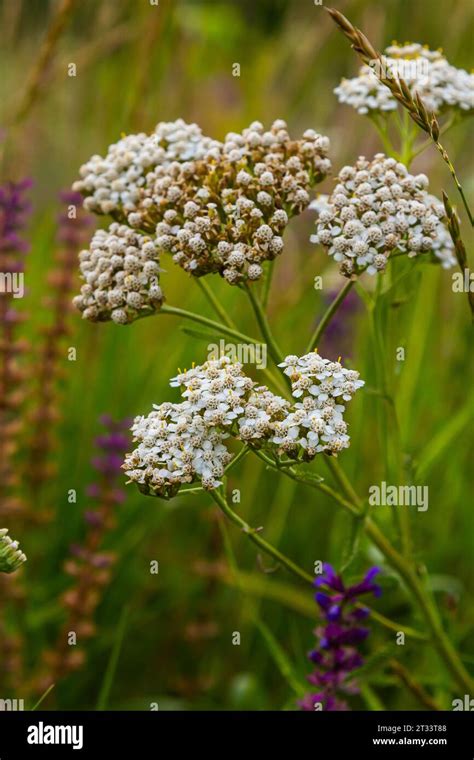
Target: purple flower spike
[[336, 655], [367, 587], [339, 335], [14, 209], [323, 600], [334, 612], [112, 446]]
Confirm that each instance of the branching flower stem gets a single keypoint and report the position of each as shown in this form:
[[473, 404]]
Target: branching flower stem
[[263, 324], [383, 134], [257, 539], [215, 303], [317, 483], [226, 330], [240, 455]]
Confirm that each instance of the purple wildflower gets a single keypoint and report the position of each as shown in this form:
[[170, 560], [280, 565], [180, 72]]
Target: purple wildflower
[[88, 564], [336, 655], [112, 446], [70, 237], [14, 209], [339, 334]]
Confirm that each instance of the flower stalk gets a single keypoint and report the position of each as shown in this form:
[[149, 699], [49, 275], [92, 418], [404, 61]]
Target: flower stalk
[[264, 325], [254, 536]]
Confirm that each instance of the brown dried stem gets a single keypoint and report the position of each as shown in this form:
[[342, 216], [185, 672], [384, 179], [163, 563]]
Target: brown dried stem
[[40, 67], [459, 249]]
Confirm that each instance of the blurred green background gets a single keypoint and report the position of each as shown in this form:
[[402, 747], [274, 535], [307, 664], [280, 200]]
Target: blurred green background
[[138, 64]]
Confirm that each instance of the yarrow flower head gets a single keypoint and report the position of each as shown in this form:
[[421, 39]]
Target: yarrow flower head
[[216, 207], [336, 655], [377, 207], [227, 212], [121, 272], [426, 72], [316, 424], [113, 184], [185, 442], [182, 443], [11, 557], [175, 447]]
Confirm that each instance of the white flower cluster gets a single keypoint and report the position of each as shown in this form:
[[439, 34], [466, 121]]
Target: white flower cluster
[[228, 398], [175, 446], [375, 208], [227, 214], [11, 557], [215, 206], [114, 183], [262, 412], [426, 72], [183, 443], [121, 273], [317, 423]]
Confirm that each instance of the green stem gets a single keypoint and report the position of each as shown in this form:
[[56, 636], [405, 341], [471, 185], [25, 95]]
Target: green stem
[[416, 689], [264, 326], [408, 134], [226, 330], [408, 155], [393, 625], [240, 455], [403, 567], [389, 425], [344, 482], [327, 316], [113, 661], [43, 697], [389, 149], [430, 613], [255, 537], [217, 326], [318, 484], [215, 303], [426, 143]]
